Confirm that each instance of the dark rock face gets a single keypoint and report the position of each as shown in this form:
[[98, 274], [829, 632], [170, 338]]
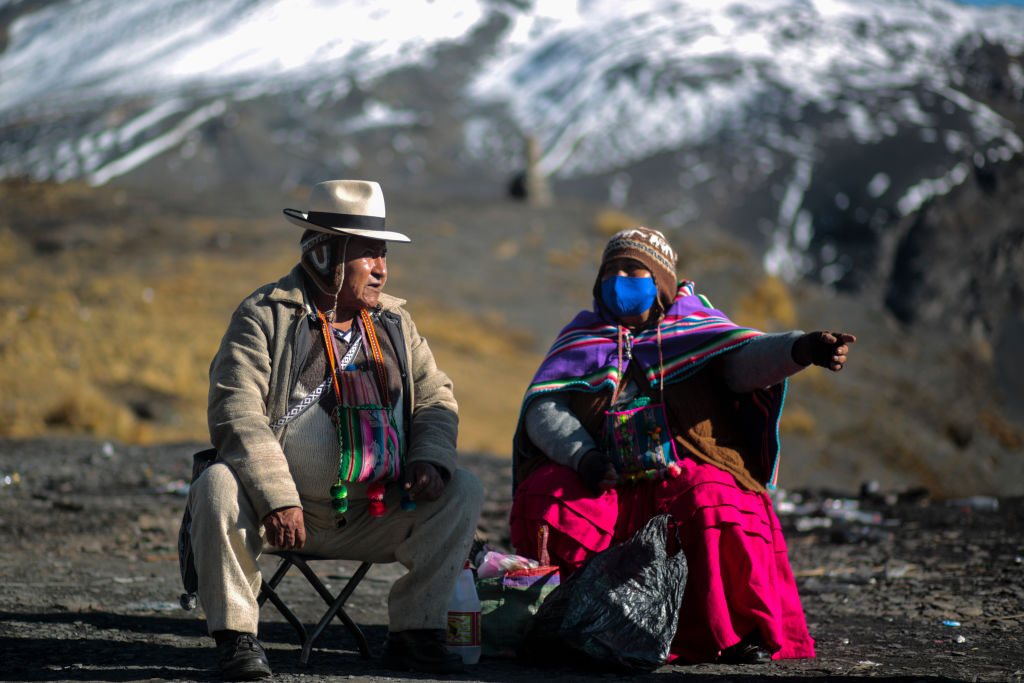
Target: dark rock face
[[959, 262], [957, 265], [1009, 369]]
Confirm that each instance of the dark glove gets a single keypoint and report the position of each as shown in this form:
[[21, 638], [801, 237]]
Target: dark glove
[[422, 481], [596, 472], [826, 349]]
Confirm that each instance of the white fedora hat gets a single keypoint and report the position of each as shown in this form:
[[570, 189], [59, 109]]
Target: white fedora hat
[[346, 207]]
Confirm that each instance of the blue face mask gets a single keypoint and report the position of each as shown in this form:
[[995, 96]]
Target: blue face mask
[[628, 296]]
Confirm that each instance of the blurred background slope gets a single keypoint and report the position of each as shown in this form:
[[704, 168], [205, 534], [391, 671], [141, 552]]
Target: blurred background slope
[[841, 165]]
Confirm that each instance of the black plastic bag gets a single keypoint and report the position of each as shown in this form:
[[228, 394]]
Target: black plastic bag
[[618, 611], [186, 562]]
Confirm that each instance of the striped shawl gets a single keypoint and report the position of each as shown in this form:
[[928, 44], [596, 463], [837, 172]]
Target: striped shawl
[[585, 357]]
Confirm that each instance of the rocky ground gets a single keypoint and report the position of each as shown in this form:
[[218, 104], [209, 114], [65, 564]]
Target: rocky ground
[[895, 587]]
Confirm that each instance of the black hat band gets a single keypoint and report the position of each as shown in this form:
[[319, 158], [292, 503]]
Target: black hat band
[[345, 220]]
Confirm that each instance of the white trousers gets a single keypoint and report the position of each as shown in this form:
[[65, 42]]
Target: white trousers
[[432, 542]]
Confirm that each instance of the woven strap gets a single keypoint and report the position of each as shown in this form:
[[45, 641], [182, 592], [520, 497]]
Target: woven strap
[[375, 352], [378, 357], [302, 406]]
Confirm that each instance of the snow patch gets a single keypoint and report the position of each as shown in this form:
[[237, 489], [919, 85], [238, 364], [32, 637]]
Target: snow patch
[[168, 140], [878, 184], [918, 194]]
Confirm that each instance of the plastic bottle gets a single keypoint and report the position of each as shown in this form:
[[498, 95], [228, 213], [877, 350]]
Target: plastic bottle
[[464, 618]]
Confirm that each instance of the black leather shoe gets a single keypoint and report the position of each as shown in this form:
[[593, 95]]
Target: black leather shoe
[[242, 658], [750, 650], [420, 650]]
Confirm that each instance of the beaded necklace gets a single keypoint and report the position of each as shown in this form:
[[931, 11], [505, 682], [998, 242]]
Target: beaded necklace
[[628, 356]]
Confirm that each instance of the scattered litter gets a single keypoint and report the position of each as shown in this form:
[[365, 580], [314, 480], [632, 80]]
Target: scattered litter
[[843, 519], [107, 449], [961, 639], [919, 495], [864, 665], [951, 622], [849, 510], [899, 572], [808, 523], [152, 606], [844, 509], [858, 534], [179, 488], [979, 503], [870, 488], [861, 516], [10, 479], [491, 563]]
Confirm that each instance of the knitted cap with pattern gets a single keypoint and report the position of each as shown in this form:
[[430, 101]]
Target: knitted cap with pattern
[[650, 248]]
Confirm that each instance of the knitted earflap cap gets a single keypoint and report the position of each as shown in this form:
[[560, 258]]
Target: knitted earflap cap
[[650, 248]]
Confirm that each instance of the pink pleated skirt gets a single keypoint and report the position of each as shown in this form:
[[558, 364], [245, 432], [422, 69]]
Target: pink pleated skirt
[[739, 576]]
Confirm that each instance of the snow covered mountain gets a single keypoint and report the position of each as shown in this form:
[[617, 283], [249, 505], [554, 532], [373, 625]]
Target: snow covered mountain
[[818, 129]]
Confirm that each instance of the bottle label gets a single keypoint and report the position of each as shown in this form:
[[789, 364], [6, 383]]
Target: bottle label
[[463, 629]]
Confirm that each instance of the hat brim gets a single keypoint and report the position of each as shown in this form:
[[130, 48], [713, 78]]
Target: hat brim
[[301, 219]]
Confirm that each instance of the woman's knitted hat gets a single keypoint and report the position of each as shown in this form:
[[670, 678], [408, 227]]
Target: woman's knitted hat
[[650, 248]]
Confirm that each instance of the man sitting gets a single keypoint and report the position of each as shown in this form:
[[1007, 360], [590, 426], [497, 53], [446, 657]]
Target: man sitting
[[335, 433]]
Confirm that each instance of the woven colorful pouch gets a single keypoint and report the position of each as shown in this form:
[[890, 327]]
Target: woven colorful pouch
[[368, 437], [370, 444], [640, 443]]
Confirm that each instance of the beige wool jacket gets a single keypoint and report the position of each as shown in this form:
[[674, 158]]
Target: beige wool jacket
[[257, 366]]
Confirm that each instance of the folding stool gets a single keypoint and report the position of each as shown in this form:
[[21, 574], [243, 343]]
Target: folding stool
[[335, 603]]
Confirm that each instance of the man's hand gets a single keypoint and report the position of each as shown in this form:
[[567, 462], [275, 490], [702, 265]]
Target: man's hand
[[596, 472], [286, 528], [422, 481], [826, 349]]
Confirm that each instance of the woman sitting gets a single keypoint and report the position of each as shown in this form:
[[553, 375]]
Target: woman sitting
[[655, 402]]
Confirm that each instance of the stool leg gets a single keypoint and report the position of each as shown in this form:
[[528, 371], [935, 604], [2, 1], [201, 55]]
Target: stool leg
[[335, 607], [282, 569], [357, 633], [268, 592]]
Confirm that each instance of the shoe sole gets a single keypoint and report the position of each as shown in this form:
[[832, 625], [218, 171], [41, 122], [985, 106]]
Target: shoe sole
[[249, 671]]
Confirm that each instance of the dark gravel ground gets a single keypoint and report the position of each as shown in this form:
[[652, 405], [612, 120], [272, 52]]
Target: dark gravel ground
[[906, 588]]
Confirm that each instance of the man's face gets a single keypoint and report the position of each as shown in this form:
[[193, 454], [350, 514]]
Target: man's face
[[366, 271]]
